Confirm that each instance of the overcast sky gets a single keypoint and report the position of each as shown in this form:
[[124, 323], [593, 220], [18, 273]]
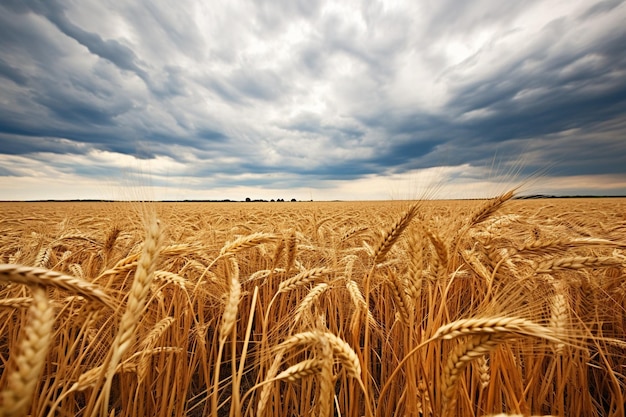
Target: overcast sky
[[306, 99]]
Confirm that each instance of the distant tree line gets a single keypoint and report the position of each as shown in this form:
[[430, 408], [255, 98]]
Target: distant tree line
[[280, 200]]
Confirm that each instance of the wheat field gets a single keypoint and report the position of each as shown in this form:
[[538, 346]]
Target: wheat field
[[405, 308]]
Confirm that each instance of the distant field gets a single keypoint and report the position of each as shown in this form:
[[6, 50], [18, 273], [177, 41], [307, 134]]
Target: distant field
[[433, 308]]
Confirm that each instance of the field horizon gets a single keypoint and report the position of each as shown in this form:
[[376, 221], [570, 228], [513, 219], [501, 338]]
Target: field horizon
[[520, 197]]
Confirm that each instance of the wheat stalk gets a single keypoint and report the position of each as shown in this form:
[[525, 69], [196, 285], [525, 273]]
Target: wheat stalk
[[325, 400], [229, 318], [267, 388], [26, 366], [134, 309]]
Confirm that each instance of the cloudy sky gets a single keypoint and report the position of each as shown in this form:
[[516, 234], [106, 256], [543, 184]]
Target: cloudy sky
[[309, 99]]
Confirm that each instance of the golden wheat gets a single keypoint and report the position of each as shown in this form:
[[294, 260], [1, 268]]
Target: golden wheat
[[315, 308]]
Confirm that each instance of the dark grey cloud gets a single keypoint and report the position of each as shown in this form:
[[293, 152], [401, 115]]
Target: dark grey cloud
[[600, 8], [246, 84], [543, 91], [108, 49], [12, 73], [20, 145]]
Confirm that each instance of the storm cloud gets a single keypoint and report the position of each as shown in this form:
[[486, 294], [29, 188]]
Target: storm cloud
[[332, 99]]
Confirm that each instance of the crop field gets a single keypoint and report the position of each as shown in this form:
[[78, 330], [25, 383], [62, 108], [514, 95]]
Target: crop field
[[399, 308]]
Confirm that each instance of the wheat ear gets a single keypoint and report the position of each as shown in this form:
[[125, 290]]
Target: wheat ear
[[245, 242], [292, 248], [229, 318], [110, 240], [510, 325], [490, 207], [359, 303], [576, 262], [301, 279], [27, 365], [139, 290], [147, 345], [42, 258], [559, 314], [544, 246], [392, 234], [400, 298], [340, 348], [442, 252], [40, 276], [300, 370], [134, 308], [16, 302], [13, 259], [89, 378], [309, 300], [77, 271], [483, 371], [171, 278], [486, 333], [476, 347]]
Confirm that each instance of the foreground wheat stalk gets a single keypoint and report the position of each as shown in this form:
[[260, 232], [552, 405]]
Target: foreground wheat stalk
[[24, 368], [132, 314]]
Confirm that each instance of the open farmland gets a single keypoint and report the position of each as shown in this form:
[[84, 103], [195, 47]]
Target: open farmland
[[430, 308]]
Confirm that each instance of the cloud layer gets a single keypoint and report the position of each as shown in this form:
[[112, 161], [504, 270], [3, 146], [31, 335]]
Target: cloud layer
[[302, 98]]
